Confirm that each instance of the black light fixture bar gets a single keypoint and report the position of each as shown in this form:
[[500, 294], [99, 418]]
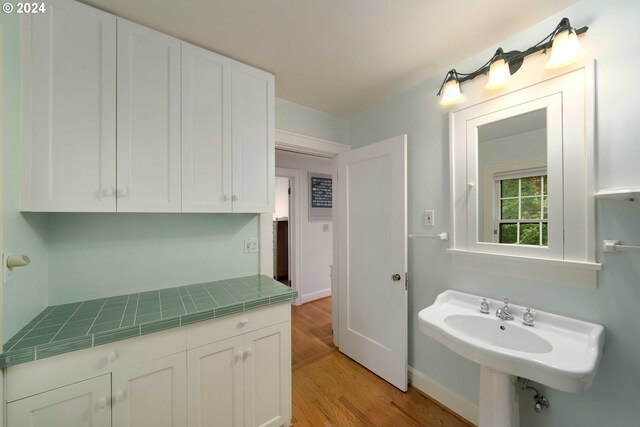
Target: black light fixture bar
[[513, 58]]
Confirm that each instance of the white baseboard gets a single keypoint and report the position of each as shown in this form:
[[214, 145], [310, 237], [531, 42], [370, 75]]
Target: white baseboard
[[312, 296], [444, 395]]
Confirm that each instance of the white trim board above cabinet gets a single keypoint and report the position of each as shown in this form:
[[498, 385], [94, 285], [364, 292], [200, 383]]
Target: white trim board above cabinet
[[194, 130]]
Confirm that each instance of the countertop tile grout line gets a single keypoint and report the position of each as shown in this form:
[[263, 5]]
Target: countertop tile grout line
[[183, 306], [65, 323], [211, 295], [97, 315], [124, 311]]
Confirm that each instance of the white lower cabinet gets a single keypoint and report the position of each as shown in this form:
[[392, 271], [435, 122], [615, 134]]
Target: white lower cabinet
[[152, 394], [216, 388], [233, 371], [242, 381], [267, 376], [81, 404]]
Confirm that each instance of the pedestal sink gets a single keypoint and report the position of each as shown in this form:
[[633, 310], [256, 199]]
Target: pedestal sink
[[557, 351]]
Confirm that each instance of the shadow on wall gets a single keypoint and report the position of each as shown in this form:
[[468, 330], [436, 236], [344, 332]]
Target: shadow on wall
[[99, 228]]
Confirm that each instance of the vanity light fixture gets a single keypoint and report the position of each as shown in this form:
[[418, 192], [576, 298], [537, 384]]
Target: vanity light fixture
[[564, 45]]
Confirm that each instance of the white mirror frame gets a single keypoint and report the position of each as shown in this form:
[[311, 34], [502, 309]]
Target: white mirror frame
[[568, 97]]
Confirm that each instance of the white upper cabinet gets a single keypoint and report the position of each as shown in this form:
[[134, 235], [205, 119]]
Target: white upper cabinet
[[148, 120], [69, 109], [206, 131], [253, 140], [194, 132]]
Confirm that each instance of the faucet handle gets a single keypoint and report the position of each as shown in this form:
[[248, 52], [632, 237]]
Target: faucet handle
[[484, 306], [506, 301], [527, 317]]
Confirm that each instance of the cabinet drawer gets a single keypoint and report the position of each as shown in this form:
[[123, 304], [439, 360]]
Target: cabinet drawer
[[228, 326], [42, 375]]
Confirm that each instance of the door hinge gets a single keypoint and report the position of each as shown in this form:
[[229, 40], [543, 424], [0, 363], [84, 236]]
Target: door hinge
[[289, 190], [406, 281]]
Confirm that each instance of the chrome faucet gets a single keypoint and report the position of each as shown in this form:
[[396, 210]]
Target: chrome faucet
[[504, 313], [484, 306]]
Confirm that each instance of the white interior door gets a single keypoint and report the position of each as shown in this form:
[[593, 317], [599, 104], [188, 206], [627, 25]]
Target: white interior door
[[372, 245]]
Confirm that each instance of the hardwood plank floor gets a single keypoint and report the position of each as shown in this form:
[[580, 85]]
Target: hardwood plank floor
[[331, 390]]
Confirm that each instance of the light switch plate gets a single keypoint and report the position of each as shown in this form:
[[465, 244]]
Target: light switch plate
[[429, 220], [250, 245]]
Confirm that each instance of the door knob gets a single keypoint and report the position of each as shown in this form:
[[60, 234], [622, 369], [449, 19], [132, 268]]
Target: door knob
[[119, 396], [102, 403], [396, 277]]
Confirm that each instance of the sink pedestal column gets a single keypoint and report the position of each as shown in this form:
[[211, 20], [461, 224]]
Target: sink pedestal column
[[498, 399]]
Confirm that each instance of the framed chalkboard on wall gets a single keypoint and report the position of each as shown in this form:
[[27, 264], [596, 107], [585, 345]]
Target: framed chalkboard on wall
[[320, 197]]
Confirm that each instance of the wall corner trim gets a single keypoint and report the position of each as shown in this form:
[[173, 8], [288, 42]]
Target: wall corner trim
[[447, 397]]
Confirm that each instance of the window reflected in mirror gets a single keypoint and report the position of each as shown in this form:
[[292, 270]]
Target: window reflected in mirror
[[512, 168]]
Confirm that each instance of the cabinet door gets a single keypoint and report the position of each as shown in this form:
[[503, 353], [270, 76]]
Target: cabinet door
[[206, 131], [148, 120], [216, 389], [267, 376], [152, 394], [253, 140], [69, 105], [78, 405]]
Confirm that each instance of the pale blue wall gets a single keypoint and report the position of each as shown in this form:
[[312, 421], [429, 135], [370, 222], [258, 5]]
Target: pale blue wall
[[614, 40], [26, 294], [96, 255], [297, 118]]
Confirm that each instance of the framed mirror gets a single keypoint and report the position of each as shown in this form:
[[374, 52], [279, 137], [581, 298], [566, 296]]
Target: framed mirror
[[522, 181]]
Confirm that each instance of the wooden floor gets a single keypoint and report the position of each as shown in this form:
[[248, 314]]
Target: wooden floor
[[331, 390]]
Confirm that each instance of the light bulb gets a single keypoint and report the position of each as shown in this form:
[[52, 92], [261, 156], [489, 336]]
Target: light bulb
[[564, 50], [498, 74], [451, 93]]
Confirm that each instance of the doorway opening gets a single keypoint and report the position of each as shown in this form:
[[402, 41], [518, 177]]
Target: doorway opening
[[281, 231]]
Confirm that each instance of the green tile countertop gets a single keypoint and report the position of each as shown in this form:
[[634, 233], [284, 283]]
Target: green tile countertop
[[74, 326]]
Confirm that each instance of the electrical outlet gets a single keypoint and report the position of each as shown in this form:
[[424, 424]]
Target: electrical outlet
[[429, 219], [250, 245], [325, 227]]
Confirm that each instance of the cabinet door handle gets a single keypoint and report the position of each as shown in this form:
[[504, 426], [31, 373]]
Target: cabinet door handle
[[235, 198], [111, 356], [243, 322], [225, 197], [108, 192], [239, 356], [247, 352], [123, 192], [102, 403], [119, 396]]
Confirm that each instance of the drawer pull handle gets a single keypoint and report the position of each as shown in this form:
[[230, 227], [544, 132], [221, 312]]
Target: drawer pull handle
[[119, 396], [238, 356], [247, 352], [111, 356], [102, 403], [243, 322]]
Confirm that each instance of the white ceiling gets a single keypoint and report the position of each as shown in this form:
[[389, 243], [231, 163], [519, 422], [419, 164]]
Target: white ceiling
[[340, 56]]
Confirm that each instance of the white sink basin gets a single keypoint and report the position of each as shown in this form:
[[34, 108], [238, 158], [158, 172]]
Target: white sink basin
[[489, 331], [557, 351]]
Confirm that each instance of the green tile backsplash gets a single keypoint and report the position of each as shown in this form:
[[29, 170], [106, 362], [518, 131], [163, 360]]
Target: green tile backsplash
[[69, 327]]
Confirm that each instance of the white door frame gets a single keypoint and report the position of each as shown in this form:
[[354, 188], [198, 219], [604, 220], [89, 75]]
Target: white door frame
[[294, 229], [301, 144]]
